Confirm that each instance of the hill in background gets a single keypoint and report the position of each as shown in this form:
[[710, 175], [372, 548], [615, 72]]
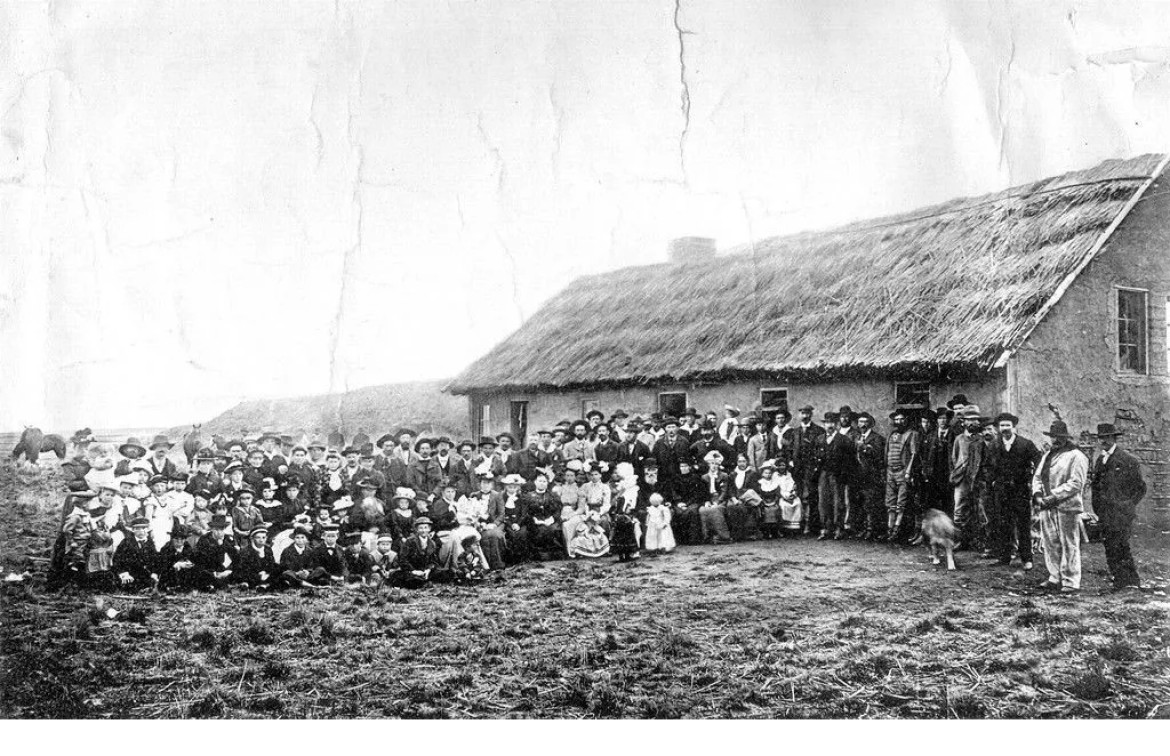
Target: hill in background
[[375, 409]]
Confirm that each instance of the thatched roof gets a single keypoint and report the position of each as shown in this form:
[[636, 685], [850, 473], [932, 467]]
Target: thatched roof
[[942, 290]]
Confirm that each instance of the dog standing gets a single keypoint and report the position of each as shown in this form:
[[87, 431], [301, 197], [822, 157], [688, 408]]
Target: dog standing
[[939, 530]]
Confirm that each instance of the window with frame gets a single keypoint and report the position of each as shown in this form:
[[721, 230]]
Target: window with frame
[[1132, 312], [483, 421], [912, 395], [672, 403], [773, 400]]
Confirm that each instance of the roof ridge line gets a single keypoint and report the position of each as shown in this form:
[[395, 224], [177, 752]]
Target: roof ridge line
[[1042, 313]]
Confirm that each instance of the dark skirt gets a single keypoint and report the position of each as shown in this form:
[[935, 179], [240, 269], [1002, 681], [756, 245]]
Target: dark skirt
[[743, 522]]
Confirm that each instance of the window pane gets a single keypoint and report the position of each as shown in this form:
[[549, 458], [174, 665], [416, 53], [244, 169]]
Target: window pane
[[1131, 331]]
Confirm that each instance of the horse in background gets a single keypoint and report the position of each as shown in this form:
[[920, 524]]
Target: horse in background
[[192, 443], [29, 444]]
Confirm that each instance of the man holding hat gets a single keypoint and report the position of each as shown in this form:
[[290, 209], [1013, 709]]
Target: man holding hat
[[1057, 490], [1117, 487], [1012, 461], [136, 559]]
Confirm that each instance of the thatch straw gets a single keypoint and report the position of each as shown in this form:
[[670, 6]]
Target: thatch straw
[[940, 290]]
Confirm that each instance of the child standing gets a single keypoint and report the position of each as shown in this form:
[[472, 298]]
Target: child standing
[[659, 536], [769, 488]]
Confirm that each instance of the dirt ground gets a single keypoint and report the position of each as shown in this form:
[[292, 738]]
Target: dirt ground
[[793, 628]]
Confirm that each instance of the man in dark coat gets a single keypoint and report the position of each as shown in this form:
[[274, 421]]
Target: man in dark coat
[[708, 441], [837, 472], [205, 476], [215, 555], [671, 449], [782, 441], [423, 474], [1117, 487], [635, 452], [329, 558], [686, 495], [256, 567], [870, 483], [418, 559], [607, 451], [808, 446], [136, 559], [176, 561], [1011, 463], [296, 562]]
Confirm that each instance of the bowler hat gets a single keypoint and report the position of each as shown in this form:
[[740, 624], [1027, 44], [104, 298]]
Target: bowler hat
[[1108, 429], [349, 450], [384, 438], [669, 420], [943, 412], [205, 455], [958, 400], [401, 431], [1058, 430], [268, 436], [845, 411], [506, 435], [160, 441], [830, 417], [621, 413], [351, 539], [465, 443], [444, 440], [486, 441], [179, 530], [806, 408], [1007, 417]]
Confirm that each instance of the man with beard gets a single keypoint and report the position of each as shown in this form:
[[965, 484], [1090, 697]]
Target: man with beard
[[902, 448], [708, 441], [463, 468], [401, 457], [670, 449], [808, 447], [606, 451], [871, 479], [967, 459], [1012, 461], [444, 459], [1057, 492], [579, 447]]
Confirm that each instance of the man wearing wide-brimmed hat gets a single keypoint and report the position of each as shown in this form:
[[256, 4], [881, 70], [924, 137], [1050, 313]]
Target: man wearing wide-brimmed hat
[[159, 464], [1117, 487], [1057, 491], [967, 458], [131, 451]]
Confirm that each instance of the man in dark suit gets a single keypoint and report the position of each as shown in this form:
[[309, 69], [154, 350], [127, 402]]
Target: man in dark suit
[[708, 441], [869, 509], [838, 469], [1117, 487], [670, 449], [136, 559], [418, 558], [634, 451], [781, 440], [1011, 464], [607, 451], [808, 445]]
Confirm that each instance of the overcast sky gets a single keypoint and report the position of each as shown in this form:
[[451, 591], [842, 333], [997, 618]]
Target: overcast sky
[[202, 202]]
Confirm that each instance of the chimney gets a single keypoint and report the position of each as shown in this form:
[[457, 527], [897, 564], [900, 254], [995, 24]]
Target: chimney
[[690, 249]]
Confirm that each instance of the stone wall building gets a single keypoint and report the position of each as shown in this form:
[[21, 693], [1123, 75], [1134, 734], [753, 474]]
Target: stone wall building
[[1040, 299]]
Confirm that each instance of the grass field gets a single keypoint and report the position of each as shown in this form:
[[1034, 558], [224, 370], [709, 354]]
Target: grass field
[[779, 629]]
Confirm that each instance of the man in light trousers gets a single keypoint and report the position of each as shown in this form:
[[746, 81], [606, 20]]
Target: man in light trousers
[[1057, 488]]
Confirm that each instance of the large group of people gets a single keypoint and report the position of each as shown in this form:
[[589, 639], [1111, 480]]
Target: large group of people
[[408, 510]]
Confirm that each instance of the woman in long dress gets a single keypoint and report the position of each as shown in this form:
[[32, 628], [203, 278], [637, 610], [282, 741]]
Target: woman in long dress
[[768, 487], [742, 519], [544, 527], [573, 510]]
